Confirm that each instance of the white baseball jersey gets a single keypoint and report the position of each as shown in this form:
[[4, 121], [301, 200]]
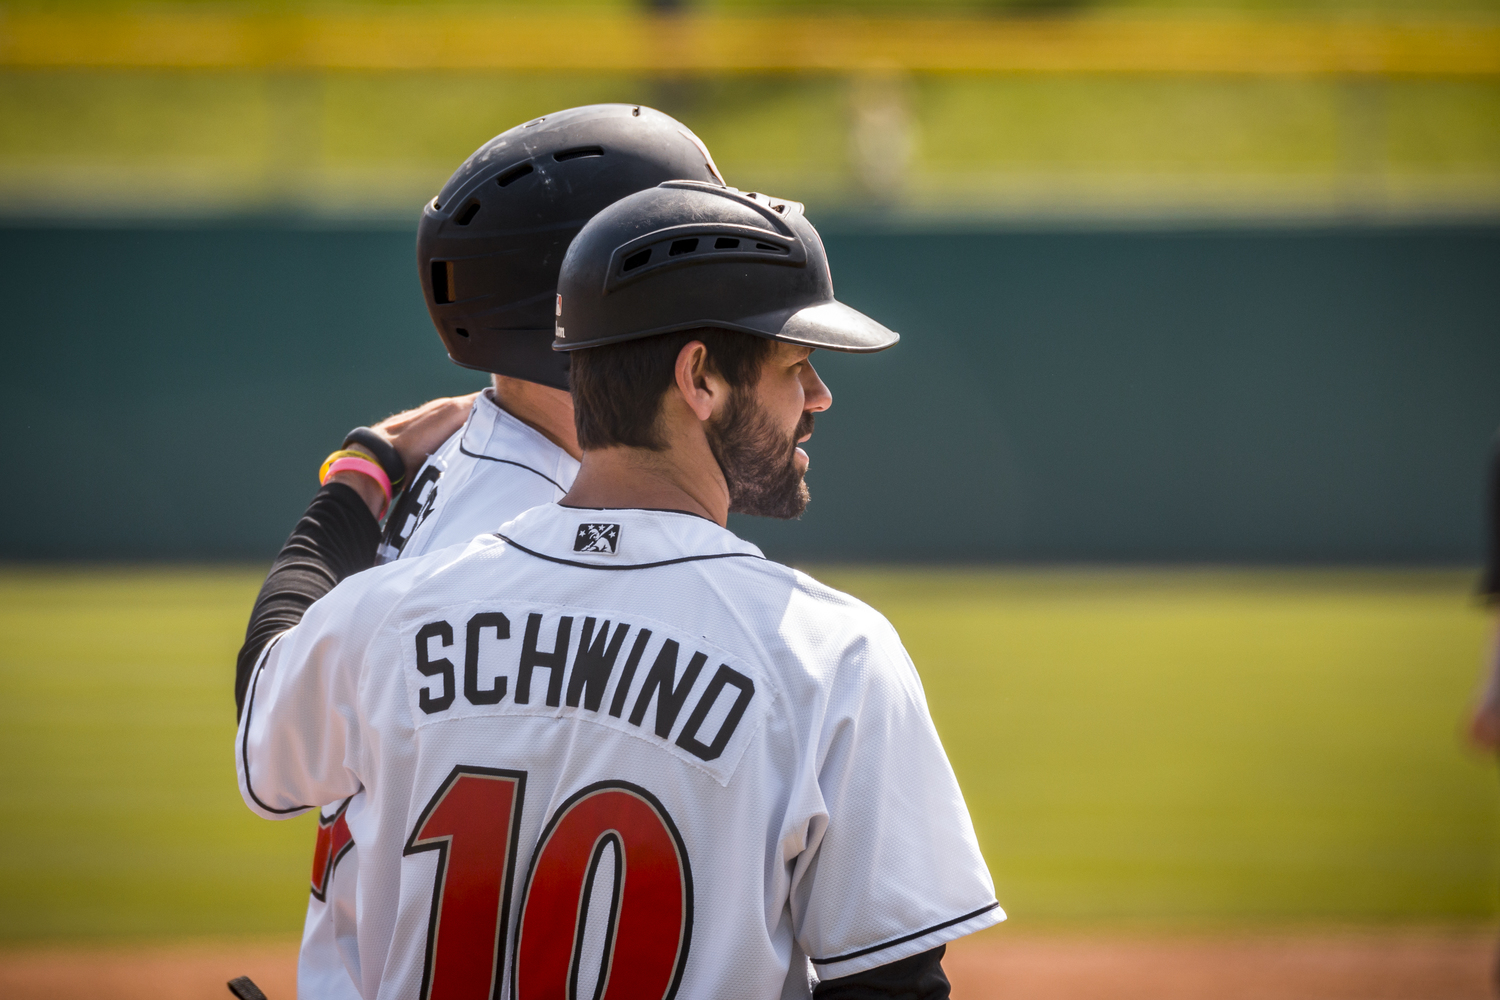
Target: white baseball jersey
[[615, 745], [494, 468], [489, 471]]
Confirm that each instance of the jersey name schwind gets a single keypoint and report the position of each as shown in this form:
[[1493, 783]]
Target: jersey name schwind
[[640, 678]]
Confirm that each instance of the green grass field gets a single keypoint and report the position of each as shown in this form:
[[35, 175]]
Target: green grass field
[[1138, 748]]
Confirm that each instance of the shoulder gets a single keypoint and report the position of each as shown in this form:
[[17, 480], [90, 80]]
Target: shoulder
[[808, 604], [834, 633], [494, 441], [368, 597], [494, 468], [820, 603]]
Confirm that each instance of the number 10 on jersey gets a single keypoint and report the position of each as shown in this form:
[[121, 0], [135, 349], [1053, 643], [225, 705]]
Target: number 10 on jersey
[[473, 823]]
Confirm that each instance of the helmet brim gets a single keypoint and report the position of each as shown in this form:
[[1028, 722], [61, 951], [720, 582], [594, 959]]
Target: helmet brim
[[833, 326], [827, 326]]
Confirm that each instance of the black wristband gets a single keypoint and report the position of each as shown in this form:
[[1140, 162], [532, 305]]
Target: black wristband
[[384, 452]]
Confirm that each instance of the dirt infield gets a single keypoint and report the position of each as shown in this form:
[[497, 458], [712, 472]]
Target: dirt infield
[[183, 972], [1367, 965], [1390, 965]]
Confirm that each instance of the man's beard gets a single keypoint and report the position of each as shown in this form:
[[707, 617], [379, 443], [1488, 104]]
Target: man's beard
[[758, 461]]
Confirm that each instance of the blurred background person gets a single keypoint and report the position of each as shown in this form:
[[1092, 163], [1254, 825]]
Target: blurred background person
[[1484, 724]]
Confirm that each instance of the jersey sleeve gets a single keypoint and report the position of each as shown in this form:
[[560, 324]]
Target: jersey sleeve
[[1489, 584], [892, 868], [334, 539], [297, 744]]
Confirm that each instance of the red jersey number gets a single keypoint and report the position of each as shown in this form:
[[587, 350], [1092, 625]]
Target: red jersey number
[[473, 822], [334, 841], [650, 919]]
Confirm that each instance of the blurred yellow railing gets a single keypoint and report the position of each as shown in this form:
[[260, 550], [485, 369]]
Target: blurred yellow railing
[[453, 39]]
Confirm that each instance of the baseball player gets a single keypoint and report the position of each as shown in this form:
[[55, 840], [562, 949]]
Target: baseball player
[[611, 749], [489, 247]]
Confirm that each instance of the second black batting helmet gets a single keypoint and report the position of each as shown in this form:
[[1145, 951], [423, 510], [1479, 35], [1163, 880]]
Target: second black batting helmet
[[490, 244], [686, 254]]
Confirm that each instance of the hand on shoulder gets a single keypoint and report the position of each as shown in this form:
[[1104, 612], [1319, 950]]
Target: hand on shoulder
[[415, 434]]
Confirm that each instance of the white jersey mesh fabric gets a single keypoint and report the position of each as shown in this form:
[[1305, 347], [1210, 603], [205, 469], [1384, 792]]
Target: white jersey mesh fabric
[[488, 472], [771, 728], [494, 468]]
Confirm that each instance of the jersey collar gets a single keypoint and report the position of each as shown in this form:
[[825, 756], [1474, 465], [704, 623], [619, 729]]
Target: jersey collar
[[492, 432], [621, 538]]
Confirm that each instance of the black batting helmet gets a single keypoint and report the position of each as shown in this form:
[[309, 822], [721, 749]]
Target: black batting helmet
[[687, 254], [490, 244]]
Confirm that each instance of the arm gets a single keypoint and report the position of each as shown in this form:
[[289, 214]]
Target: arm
[[335, 538], [919, 977], [338, 534], [1484, 724], [887, 869]]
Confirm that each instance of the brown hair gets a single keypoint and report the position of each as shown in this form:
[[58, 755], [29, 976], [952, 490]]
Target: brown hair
[[618, 388]]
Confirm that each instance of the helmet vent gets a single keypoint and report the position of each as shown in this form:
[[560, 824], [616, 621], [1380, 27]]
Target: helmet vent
[[461, 332], [443, 291], [469, 213], [666, 248], [514, 174], [573, 154]]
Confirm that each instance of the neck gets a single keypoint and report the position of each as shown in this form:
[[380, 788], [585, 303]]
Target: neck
[[683, 476], [545, 410]]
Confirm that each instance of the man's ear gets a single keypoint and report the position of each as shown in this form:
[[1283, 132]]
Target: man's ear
[[700, 386]]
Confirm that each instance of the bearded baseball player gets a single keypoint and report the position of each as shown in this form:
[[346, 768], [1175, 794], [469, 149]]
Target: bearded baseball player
[[611, 750], [489, 247]]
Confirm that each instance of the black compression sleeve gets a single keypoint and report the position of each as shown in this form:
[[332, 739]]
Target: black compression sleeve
[[337, 537], [1490, 584], [920, 977]]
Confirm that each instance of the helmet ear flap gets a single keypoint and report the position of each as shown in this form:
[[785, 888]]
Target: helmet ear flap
[[490, 245]]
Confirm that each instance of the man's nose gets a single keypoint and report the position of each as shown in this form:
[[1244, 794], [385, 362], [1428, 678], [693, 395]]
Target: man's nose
[[816, 396]]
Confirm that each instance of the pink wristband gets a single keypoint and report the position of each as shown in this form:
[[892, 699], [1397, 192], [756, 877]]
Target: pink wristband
[[364, 467]]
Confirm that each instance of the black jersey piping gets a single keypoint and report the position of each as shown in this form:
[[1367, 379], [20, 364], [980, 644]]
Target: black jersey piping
[[649, 565], [902, 940], [245, 741], [506, 461], [649, 510]]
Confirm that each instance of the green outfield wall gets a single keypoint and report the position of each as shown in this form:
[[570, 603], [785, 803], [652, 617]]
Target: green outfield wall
[[1247, 395]]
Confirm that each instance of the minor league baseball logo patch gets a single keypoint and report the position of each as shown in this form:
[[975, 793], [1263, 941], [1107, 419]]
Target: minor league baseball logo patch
[[603, 539]]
